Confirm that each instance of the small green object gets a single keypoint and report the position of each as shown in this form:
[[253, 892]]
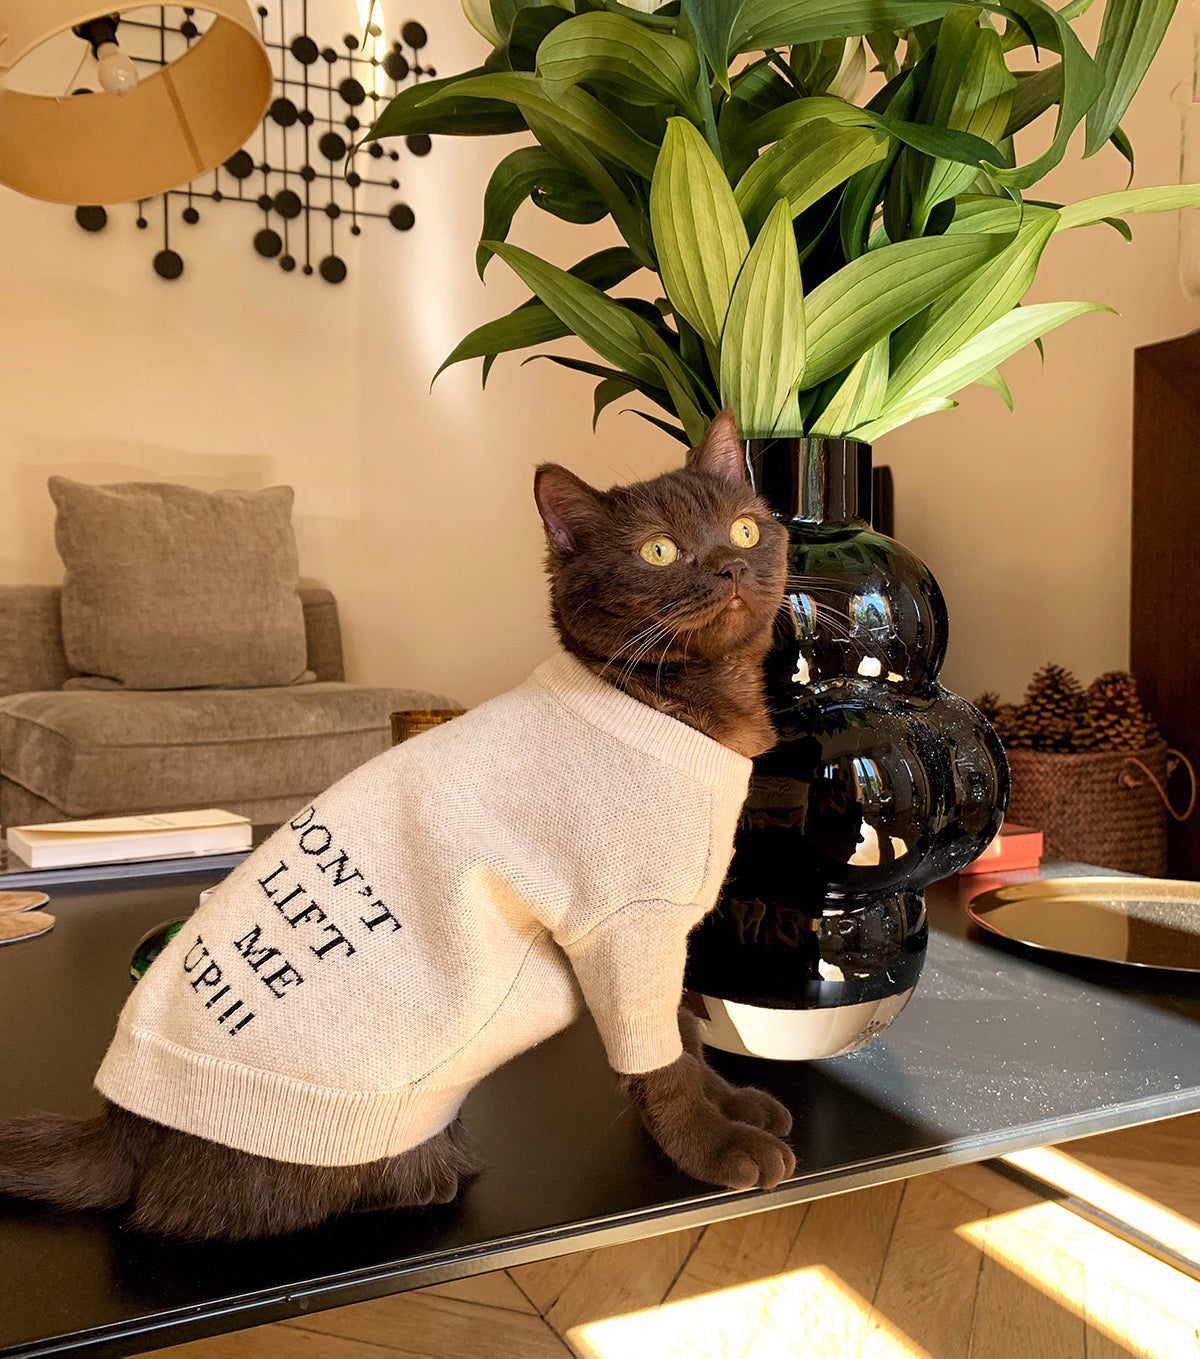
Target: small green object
[[150, 945]]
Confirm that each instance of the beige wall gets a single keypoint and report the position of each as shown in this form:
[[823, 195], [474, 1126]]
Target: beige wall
[[415, 507]]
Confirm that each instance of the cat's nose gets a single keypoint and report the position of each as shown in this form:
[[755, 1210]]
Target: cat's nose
[[733, 569]]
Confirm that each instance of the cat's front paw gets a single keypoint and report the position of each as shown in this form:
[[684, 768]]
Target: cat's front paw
[[738, 1156], [745, 1104]]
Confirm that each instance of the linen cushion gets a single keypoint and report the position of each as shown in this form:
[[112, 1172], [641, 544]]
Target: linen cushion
[[167, 587], [100, 754]]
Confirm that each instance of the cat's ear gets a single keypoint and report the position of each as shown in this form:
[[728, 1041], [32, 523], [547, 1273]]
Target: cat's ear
[[566, 505], [719, 453]]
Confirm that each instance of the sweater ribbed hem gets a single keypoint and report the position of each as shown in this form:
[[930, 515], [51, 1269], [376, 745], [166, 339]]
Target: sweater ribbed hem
[[643, 1042], [264, 1113], [643, 728]]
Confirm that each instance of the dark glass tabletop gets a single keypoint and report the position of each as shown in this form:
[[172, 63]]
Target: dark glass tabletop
[[999, 1050]]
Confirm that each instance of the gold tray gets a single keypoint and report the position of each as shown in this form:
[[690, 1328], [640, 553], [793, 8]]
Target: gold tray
[[1144, 922]]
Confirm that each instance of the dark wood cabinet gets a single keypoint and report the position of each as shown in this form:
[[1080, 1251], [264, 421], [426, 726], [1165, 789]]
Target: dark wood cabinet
[[1165, 557]]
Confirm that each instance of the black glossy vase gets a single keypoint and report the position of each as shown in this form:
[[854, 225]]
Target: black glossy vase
[[882, 781]]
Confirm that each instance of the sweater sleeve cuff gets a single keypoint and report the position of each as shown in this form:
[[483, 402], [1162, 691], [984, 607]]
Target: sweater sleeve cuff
[[640, 1043]]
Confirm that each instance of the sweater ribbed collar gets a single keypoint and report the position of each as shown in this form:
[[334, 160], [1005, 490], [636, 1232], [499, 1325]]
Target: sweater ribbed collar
[[641, 727]]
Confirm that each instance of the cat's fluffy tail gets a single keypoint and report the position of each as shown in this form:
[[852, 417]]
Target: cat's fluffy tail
[[69, 1162]]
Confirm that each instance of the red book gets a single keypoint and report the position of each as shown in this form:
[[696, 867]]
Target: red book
[[1014, 847]]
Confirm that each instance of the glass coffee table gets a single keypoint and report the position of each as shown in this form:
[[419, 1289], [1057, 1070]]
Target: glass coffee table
[[997, 1052]]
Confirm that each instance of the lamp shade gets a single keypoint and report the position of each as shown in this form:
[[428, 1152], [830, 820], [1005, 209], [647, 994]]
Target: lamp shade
[[180, 120]]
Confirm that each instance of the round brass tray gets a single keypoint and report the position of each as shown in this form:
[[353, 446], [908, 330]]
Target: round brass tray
[[1144, 922]]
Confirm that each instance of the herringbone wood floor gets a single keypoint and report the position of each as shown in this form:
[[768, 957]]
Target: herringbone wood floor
[[958, 1265]]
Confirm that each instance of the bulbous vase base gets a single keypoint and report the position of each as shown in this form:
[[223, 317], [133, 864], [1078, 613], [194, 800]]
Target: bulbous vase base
[[792, 1035]]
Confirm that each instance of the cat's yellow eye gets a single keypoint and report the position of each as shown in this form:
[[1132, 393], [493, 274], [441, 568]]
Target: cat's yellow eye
[[660, 551], [744, 533]]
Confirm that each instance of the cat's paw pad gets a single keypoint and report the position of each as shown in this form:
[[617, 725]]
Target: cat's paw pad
[[748, 1158], [756, 1107]]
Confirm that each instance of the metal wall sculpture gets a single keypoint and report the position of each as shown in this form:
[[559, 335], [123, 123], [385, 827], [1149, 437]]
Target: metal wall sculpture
[[297, 174]]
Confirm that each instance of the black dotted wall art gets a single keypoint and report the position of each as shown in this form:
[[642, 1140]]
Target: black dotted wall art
[[297, 175]]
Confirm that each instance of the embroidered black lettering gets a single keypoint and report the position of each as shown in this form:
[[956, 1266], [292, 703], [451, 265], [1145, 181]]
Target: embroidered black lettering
[[338, 864], [291, 896], [384, 916], [248, 947], [311, 912], [216, 996], [262, 882], [303, 819], [209, 977], [319, 831], [233, 1009], [338, 939], [278, 982], [241, 1024], [188, 965]]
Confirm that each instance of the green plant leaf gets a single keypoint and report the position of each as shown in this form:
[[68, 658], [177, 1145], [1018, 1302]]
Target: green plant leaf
[[860, 396], [992, 346], [532, 172], [526, 326], [994, 380], [970, 307], [762, 346], [614, 332], [713, 22], [506, 12], [883, 45], [574, 110], [874, 294], [1166, 198], [777, 123], [901, 415], [694, 422], [479, 16], [641, 65], [665, 425], [529, 28], [786, 23], [1125, 147], [572, 151], [435, 107], [698, 230], [1036, 92], [609, 390], [533, 322], [1082, 83], [1130, 34], [804, 167], [969, 90]]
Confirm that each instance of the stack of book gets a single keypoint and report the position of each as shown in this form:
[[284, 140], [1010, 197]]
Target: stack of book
[[123, 839]]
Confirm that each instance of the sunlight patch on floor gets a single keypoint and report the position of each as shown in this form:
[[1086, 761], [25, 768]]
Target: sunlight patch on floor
[[1092, 1278], [1146, 1215], [799, 1314]]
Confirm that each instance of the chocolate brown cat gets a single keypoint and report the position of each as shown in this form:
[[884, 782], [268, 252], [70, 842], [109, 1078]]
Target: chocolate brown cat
[[303, 1046]]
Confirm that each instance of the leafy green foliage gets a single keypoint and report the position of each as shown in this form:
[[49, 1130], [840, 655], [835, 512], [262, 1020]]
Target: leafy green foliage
[[822, 264]]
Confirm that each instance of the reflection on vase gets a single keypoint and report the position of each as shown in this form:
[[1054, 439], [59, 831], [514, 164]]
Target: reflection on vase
[[882, 781]]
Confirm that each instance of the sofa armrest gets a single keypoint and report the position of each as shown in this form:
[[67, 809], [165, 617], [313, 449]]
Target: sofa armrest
[[31, 649], [324, 633]]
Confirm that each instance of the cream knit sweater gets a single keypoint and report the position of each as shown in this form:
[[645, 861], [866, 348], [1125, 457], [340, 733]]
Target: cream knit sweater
[[436, 912]]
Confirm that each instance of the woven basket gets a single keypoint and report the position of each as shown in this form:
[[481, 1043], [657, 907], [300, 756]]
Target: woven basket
[[1106, 807]]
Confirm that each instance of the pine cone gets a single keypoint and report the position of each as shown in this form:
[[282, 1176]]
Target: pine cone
[[1007, 723], [1113, 717], [988, 704], [1052, 711]]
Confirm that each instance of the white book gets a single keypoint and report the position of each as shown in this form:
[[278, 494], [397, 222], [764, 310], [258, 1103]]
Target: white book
[[117, 839]]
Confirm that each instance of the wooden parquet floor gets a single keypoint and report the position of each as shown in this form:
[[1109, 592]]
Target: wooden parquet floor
[[963, 1264]]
